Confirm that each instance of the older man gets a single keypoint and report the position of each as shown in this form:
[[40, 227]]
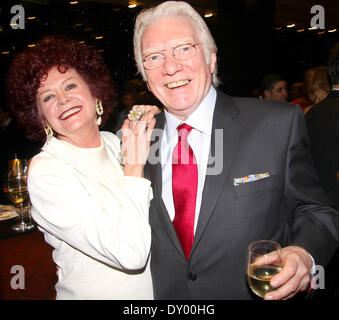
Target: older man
[[206, 211]]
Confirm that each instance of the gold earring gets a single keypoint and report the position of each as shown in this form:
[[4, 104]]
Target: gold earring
[[49, 131], [99, 110]]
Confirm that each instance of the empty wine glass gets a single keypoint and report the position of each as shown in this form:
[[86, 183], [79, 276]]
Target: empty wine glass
[[17, 191], [264, 261]]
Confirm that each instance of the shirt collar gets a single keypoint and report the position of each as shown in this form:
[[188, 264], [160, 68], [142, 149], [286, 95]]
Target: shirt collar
[[200, 119]]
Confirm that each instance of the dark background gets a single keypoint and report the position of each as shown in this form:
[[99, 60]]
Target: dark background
[[251, 35]]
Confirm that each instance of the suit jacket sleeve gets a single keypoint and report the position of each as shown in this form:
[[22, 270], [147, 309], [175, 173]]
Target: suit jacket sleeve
[[315, 223]]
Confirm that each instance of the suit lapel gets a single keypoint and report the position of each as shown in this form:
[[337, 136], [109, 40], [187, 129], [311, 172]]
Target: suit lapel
[[153, 165], [223, 119], [153, 171]]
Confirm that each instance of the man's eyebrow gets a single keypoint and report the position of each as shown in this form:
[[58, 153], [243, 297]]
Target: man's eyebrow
[[174, 44]]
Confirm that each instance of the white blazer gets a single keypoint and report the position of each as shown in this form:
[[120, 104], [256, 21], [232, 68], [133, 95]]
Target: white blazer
[[95, 218]]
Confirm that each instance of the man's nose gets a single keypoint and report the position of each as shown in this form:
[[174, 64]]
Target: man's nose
[[171, 65]]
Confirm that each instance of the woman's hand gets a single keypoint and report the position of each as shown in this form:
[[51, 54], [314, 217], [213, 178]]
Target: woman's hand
[[136, 137], [143, 112]]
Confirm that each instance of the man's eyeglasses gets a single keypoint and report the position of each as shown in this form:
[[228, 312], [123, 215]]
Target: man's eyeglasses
[[181, 53]]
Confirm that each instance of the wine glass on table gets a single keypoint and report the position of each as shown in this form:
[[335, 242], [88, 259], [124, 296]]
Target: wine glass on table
[[18, 193], [264, 261]]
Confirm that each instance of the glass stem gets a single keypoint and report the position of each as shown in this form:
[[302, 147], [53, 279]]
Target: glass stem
[[22, 214]]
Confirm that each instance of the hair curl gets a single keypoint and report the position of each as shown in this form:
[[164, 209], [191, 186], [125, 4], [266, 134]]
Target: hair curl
[[29, 68]]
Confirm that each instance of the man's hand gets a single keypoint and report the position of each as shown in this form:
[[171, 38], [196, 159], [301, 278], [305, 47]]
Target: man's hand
[[295, 275]]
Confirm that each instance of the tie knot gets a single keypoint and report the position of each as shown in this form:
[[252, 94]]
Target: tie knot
[[183, 131]]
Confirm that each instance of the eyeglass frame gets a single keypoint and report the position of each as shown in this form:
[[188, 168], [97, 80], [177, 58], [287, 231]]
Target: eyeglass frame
[[193, 45]]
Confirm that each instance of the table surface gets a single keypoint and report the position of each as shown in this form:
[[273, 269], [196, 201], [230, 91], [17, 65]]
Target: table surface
[[33, 255]]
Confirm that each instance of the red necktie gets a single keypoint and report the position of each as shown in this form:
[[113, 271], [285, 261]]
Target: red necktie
[[184, 185]]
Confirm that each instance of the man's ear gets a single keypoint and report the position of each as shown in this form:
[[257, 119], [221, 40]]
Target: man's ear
[[213, 61]]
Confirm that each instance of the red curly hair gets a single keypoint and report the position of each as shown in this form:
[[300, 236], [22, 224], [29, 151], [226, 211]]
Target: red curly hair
[[29, 68]]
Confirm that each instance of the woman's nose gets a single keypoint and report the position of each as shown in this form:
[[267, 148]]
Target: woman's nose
[[63, 97]]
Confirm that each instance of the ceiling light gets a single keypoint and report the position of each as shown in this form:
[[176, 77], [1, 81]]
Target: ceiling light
[[208, 15], [290, 25]]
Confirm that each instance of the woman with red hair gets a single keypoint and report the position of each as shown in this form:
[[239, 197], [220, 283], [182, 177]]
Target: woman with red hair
[[92, 210]]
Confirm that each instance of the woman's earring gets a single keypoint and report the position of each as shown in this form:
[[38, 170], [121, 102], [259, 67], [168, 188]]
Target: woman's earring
[[100, 110], [49, 131]]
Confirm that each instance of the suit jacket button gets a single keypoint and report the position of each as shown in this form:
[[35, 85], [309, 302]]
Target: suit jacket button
[[192, 276]]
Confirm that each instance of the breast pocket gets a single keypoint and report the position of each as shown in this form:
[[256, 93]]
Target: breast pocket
[[256, 186]]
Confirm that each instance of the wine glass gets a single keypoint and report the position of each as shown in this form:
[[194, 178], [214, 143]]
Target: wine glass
[[264, 261], [18, 193]]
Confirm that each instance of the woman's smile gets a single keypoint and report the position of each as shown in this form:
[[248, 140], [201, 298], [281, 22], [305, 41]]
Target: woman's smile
[[70, 112]]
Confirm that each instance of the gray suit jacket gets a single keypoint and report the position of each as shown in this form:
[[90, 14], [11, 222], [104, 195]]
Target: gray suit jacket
[[289, 206]]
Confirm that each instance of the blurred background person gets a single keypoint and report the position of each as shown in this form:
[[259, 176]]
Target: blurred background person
[[93, 212], [317, 85], [298, 95], [274, 87], [127, 99], [134, 93]]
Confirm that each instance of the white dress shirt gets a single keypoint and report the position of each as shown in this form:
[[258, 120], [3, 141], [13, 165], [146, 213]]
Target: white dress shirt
[[199, 139]]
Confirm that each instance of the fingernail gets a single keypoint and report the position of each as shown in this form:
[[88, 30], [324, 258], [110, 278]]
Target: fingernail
[[274, 283], [269, 297]]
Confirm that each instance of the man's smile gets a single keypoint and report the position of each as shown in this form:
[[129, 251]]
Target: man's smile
[[177, 84]]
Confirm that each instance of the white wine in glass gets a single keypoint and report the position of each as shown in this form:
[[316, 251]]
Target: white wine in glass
[[17, 191], [264, 261]]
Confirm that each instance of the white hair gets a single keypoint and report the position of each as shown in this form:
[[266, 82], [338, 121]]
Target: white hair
[[177, 9]]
